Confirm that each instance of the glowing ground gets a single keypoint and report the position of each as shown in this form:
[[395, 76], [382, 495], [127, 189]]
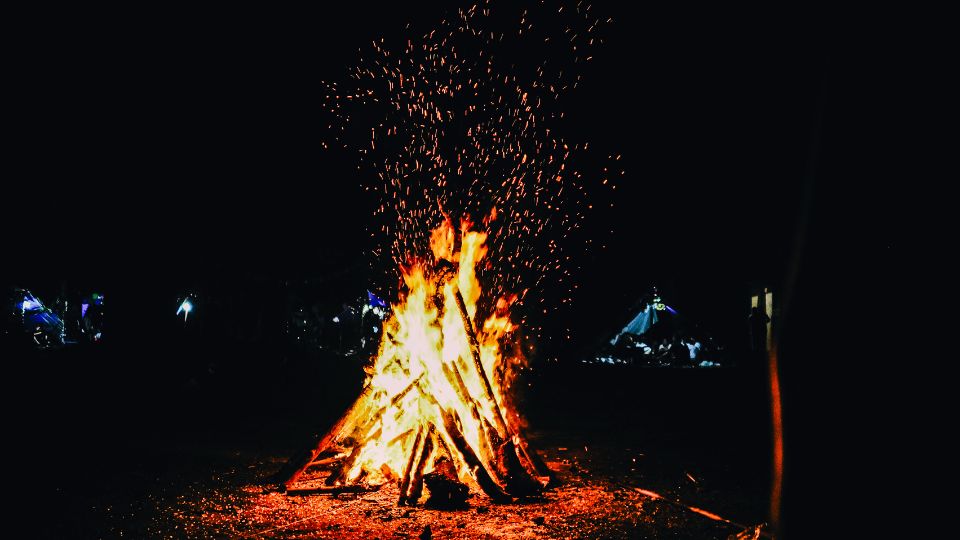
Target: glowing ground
[[200, 470], [223, 496]]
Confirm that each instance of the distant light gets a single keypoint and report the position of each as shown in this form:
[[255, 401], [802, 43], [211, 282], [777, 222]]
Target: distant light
[[375, 330], [336, 319], [186, 307], [29, 305]]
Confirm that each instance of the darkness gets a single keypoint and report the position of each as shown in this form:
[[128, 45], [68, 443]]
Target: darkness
[[188, 149], [158, 151]]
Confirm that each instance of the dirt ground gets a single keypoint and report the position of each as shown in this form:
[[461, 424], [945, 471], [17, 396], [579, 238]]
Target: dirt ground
[[228, 495], [200, 466]]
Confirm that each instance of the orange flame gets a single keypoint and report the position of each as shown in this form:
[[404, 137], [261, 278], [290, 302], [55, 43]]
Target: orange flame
[[425, 367]]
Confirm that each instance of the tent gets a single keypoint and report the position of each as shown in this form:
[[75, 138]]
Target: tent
[[42, 325], [650, 314]]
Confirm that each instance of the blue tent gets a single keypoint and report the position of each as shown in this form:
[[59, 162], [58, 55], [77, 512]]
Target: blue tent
[[36, 316], [374, 301], [645, 319]]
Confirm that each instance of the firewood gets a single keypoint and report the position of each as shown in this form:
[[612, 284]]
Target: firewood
[[522, 455], [416, 484], [540, 470], [456, 382], [483, 476], [408, 470], [388, 473], [519, 480], [400, 437], [320, 463], [478, 364], [347, 464]]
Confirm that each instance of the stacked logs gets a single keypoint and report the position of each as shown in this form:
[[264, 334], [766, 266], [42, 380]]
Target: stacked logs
[[503, 465]]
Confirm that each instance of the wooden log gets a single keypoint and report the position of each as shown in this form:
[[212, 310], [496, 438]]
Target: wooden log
[[478, 364], [520, 480], [348, 463], [403, 393], [502, 427], [408, 470], [522, 452], [360, 431], [485, 478], [456, 380], [388, 473], [542, 473], [471, 459], [416, 484], [489, 439], [325, 461], [400, 437], [376, 416]]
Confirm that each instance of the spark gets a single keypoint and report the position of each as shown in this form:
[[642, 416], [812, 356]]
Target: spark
[[449, 123]]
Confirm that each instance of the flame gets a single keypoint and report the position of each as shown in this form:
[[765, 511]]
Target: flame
[[425, 372]]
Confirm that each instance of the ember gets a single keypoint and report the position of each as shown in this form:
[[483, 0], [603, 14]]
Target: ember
[[435, 407]]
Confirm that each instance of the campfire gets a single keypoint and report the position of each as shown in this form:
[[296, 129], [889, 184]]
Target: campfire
[[435, 410]]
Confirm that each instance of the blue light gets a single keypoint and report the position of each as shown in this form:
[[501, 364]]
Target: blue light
[[375, 301], [186, 307]]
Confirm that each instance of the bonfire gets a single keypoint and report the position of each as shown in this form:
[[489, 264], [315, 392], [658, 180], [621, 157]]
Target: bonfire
[[435, 410]]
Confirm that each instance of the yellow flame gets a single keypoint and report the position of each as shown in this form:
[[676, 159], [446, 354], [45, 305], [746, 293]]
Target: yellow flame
[[425, 365]]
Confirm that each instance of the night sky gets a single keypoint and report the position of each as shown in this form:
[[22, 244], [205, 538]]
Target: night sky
[[185, 147]]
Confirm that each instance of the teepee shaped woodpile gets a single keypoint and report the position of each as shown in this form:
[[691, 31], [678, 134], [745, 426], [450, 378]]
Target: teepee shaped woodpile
[[434, 398]]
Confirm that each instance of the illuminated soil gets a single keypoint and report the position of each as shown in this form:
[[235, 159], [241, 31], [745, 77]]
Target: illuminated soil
[[227, 496], [203, 470]]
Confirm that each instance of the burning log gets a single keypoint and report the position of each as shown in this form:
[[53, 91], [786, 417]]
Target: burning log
[[416, 483], [347, 464], [388, 472], [482, 475], [510, 448], [405, 482], [475, 354]]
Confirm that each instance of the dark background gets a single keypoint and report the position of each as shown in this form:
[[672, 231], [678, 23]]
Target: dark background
[[155, 151], [172, 147]]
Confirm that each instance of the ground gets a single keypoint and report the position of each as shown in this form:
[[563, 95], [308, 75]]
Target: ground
[[203, 469], [229, 496]]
